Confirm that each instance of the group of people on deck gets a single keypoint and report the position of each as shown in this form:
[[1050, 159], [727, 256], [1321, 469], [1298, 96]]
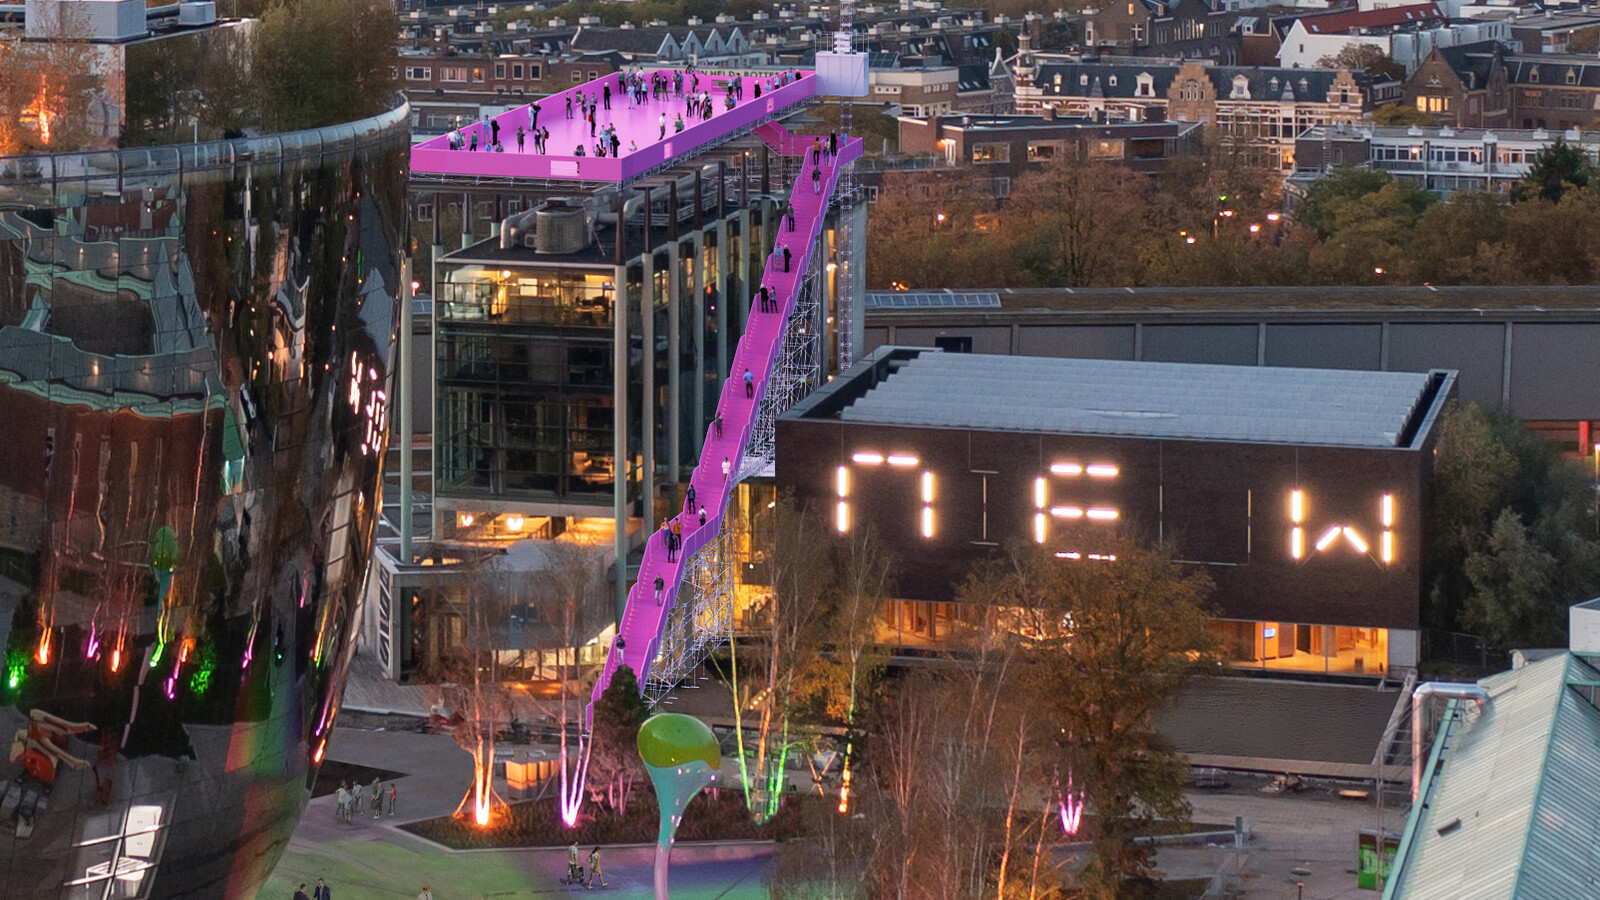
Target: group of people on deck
[[640, 88]]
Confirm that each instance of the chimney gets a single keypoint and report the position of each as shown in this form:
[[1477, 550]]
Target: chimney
[[1049, 113]]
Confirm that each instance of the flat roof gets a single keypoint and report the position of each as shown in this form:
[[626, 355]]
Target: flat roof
[[635, 124], [1238, 299], [1115, 398]]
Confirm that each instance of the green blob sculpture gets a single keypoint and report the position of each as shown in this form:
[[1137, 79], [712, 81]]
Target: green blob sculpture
[[682, 757]]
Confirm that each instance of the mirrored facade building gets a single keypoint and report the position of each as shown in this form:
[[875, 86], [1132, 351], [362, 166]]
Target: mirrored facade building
[[195, 349]]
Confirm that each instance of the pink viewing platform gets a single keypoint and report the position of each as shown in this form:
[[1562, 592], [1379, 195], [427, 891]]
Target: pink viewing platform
[[638, 123]]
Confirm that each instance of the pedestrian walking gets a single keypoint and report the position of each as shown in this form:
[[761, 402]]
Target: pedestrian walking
[[392, 794], [672, 545], [569, 106], [790, 217], [594, 869], [321, 892], [473, 146], [572, 864], [426, 894], [608, 96], [343, 797], [520, 135], [663, 121], [677, 535], [765, 300], [702, 515], [355, 804], [301, 893], [833, 144], [749, 385], [717, 425], [786, 259], [688, 499], [725, 468], [816, 181], [533, 117], [659, 585]]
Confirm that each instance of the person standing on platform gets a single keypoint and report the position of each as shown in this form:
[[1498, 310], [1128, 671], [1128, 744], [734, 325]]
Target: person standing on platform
[[520, 135], [725, 470], [663, 122], [672, 545], [659, 585], [377, 797], [472, 147], [749, 385], [343, 798], [702, 515], [569, 106], [494, 131], [677, 535], [833, 144], [533, 117], [790, 217], [608, 96], [355, 804], [716, 425], [786, 259], [393, 793], [816, 180], [688, 499]]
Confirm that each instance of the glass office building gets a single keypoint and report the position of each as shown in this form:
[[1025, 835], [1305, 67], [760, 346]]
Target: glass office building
[[195, 349]]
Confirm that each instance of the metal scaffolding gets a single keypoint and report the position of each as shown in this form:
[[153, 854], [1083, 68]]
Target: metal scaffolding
[[844, 41], [700, 619], [796, 372]]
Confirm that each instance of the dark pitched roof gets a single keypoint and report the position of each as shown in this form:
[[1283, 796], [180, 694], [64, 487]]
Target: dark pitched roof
[[1118, 80], [972, 78], [1544, 69]]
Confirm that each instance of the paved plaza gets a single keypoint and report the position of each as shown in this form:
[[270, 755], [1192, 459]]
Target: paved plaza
[[376, 860]]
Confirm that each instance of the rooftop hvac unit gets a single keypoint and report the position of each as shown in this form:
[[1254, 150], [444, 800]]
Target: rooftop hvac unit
[[560, 228], [198, 14]]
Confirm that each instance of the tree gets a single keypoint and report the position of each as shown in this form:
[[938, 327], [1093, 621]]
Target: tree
[[786, 647], [614, 764], [1511, 531], [320, 62], [1398, 113], [1118, 641], [864, 587], [1552, 172], [1511, 579], [48, 90], [1368, 58], [567, 587], [1080, 220]]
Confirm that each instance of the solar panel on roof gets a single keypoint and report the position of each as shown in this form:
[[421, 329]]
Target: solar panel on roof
[[932, 300]]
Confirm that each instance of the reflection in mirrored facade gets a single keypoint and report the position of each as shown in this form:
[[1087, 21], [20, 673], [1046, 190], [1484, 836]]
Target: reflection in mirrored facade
[[194, 349]]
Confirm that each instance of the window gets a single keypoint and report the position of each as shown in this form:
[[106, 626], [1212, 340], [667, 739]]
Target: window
[[1105, 149], [1572, 76], [425, 212], [1147, 85], [1083, 80], [533, 71], [953, 344], [516, 70], [593, 75], [1112, 81], [1433, 104], [453, 73], [1533, 75], [576, 76], [1533, 98], [991, 153], [1138, 33], [1571, 101], [1001, 188], [419, 73], [499, 70], [477, 73], [1039, 151]]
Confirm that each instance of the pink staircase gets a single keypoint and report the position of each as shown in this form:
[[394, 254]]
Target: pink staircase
[[639, 634]]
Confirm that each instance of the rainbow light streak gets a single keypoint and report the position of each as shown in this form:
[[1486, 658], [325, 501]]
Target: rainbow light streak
[[92, 649], [156, 656]]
